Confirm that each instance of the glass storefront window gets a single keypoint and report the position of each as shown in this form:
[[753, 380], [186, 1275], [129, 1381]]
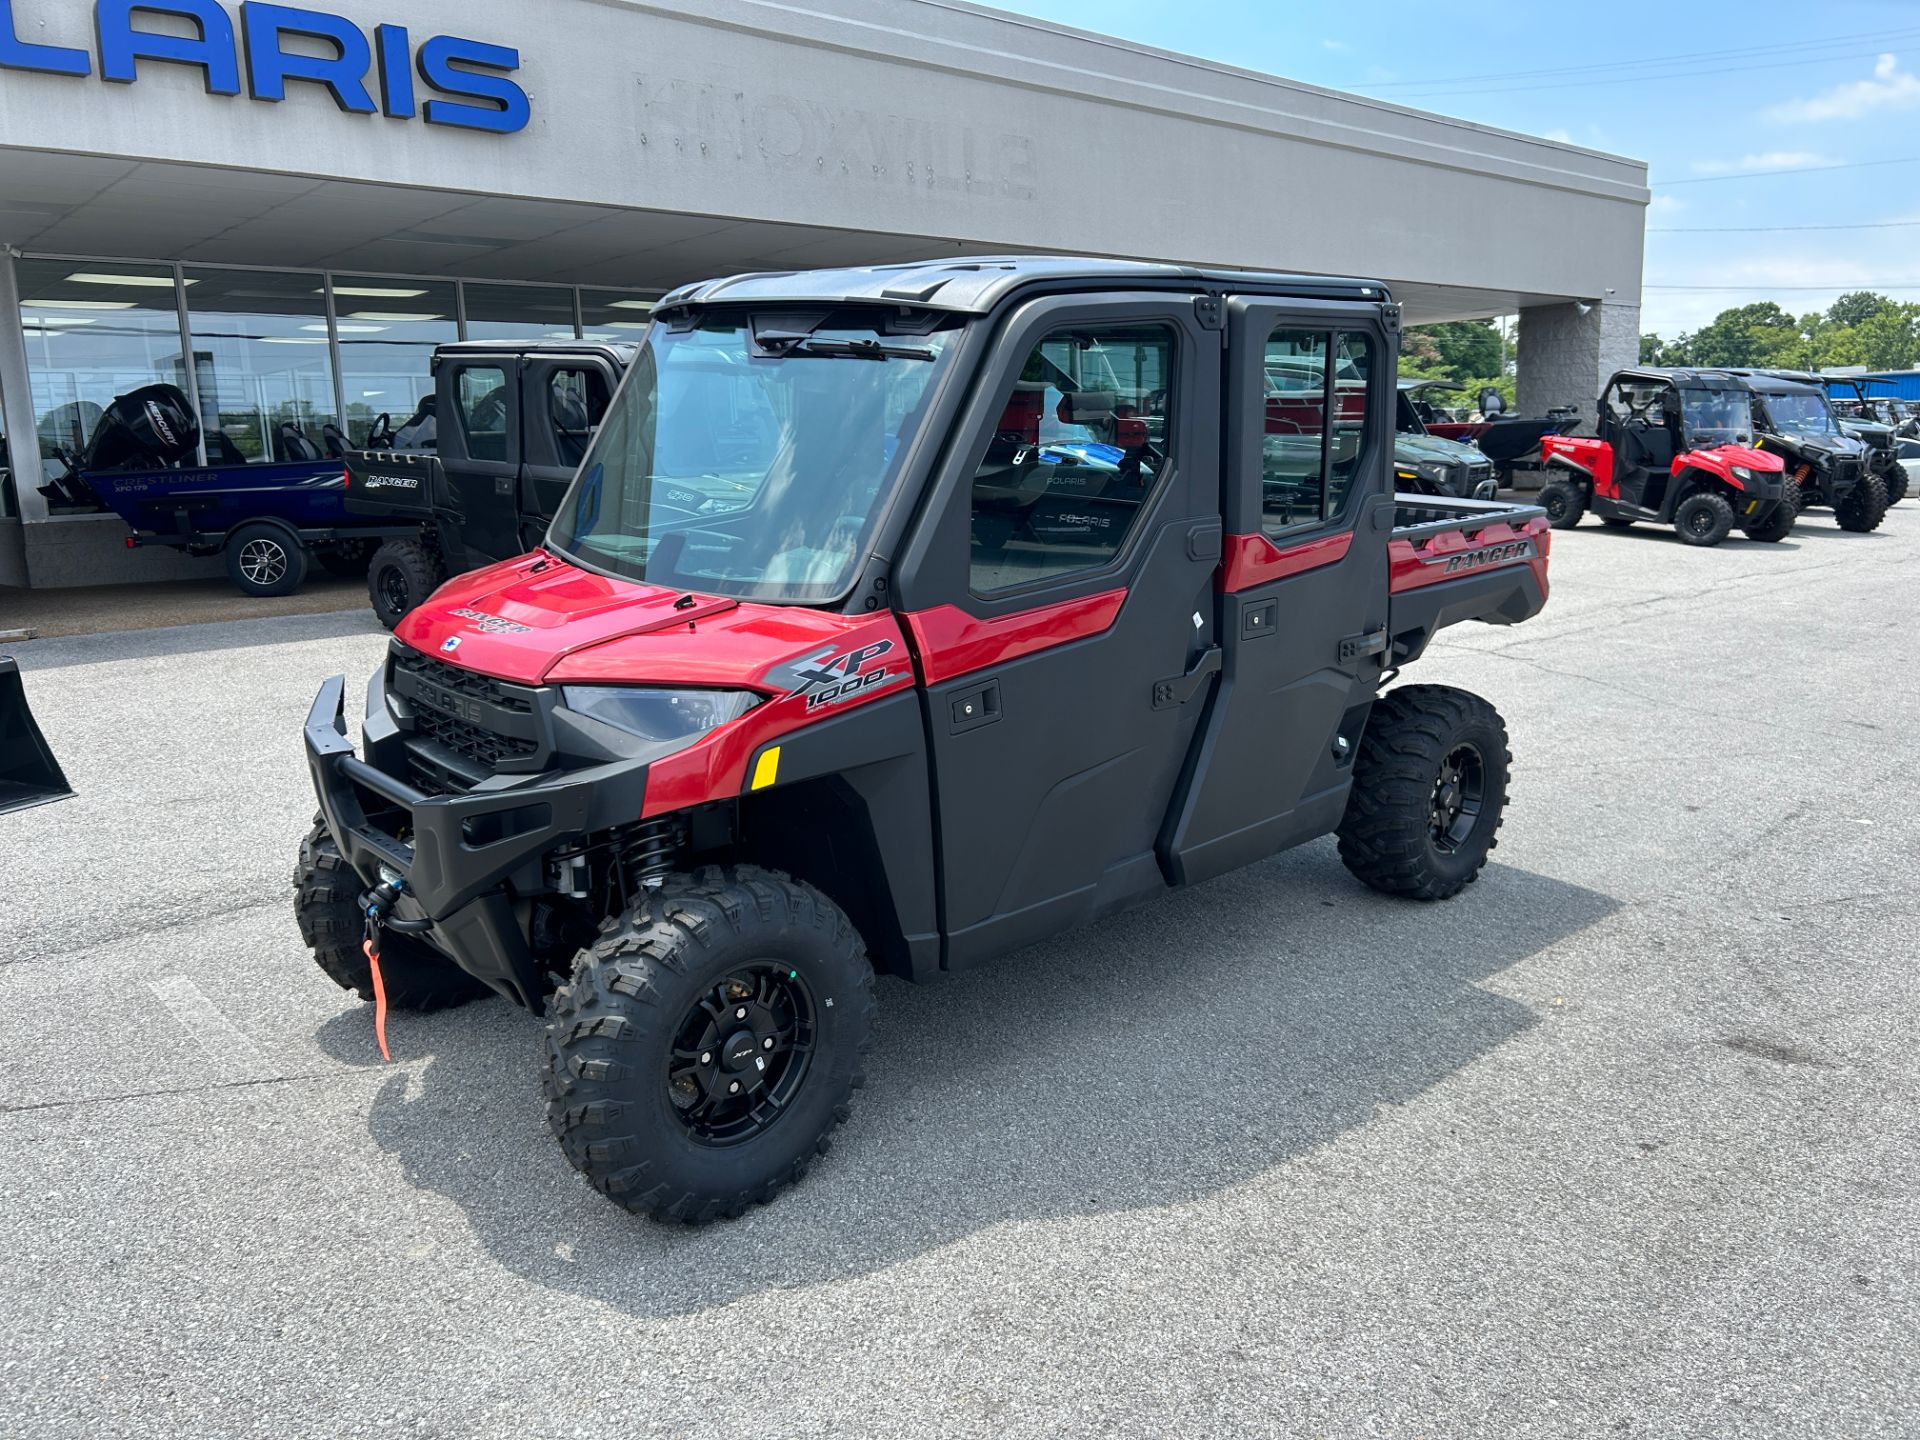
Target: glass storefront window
[[387, 329], [614, 314], [95, 331], [264, 368], [519, 312]]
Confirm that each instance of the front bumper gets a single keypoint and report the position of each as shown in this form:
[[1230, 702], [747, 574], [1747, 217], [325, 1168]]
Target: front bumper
[[463, 859]]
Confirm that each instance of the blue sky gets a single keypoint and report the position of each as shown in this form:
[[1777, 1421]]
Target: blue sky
[[1816, 83]]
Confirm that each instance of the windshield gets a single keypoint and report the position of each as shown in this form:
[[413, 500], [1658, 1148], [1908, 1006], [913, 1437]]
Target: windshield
[[756, 470], [1717, 417], [1801, 413]]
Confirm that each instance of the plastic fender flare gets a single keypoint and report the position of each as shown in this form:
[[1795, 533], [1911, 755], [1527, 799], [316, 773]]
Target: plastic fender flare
[[1690, 478]]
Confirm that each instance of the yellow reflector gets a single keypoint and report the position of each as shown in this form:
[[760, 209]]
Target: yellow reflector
[[766, 769]]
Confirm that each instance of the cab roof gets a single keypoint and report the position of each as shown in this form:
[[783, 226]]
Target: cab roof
[[977, 284], [622, 350], [1780, 382], [1683, 378]]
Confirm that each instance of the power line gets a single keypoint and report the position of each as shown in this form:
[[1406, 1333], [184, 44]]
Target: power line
[[1776, 229], [1737, 52], [1650, 75], [1796, 170], [1764, 288]]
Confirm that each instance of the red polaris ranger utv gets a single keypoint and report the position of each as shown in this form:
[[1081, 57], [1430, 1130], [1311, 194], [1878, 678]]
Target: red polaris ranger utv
[[895, 619], [1675, 447]]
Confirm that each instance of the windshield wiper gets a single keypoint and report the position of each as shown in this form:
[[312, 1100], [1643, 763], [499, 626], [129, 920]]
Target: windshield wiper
[[853, 350]]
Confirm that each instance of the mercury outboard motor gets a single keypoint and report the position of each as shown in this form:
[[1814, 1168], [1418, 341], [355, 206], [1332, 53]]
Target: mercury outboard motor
[[151, 428]]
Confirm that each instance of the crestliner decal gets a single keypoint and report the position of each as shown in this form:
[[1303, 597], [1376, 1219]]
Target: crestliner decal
[[1500, 554], [492, 624], [830, 679]]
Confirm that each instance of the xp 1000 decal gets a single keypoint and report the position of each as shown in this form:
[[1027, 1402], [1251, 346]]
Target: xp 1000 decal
[[829, 679]]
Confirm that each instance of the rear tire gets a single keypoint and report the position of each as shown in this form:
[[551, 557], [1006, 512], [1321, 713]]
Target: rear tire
[[1703, 518], [1896, 481], [264, 560], [403, 573], [1564, 503], [641, 1049], [327, 905], [1429, 792], [1865, 506]]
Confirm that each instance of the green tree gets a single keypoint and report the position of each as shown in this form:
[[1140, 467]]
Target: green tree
[[1857, 307], [1653, 351], [1757, 334], [1456, 349]]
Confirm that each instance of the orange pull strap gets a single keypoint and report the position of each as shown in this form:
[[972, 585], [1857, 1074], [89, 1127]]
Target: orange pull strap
[[379, 1000]]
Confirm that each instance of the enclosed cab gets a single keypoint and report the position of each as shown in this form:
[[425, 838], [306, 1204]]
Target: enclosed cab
[[1825, 465], [1675, 447], [895, 619], [476, 472]]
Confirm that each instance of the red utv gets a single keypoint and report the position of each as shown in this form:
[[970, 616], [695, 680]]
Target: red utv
[[1675, 448], [896, 619]]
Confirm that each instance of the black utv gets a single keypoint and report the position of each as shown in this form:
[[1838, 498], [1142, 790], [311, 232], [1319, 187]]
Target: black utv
[[1860, 416], [1793, 419]]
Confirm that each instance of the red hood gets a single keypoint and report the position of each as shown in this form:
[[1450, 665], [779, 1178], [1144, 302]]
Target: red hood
[[538, 619]]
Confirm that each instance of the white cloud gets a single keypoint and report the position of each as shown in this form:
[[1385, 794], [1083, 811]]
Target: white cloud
[[1559, 137], [1768, 160], [1891, 88], [1336, 44]]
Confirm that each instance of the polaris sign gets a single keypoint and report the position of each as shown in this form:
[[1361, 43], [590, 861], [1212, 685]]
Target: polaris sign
[[445, 80]]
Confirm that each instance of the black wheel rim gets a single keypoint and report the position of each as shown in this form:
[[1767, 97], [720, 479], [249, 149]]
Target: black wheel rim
[[1459, 796], [1556, 507], [742, 1053], [394, 590], [1700, 520]]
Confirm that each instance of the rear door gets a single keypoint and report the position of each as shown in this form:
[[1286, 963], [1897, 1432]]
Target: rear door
[[1303, 584], [1059, 596], [480, 456], [563, 399]]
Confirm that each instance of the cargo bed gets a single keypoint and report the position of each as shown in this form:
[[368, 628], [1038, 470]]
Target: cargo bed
[[1454, 560]]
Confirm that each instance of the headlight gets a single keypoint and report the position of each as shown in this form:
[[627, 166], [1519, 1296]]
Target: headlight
[[1741, 472], [658, 714]]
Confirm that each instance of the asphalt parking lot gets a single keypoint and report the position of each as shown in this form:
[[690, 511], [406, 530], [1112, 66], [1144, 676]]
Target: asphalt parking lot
[[1620, 1142]]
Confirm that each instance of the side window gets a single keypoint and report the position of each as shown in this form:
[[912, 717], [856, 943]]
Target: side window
[[1081, 440], [1294, 440], [577, 400], [1353, 382], [481, 395]]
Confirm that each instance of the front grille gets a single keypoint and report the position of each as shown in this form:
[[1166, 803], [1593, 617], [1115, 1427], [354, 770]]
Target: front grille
[[481, 746], [471, 724]]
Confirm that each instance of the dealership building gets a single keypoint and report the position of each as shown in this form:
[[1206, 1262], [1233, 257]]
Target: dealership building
[[283, 210]]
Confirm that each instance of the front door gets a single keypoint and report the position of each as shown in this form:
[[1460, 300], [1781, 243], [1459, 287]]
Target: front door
[[1059, 595], [480, 459]]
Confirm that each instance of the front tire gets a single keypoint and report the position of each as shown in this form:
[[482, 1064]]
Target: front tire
[[264, 560], [1703, 518], [1564, 503], [1896, 482], [1865, 506], [708, 1043], [1429, 792], [1779, 522], [403, 573], [327, 906]]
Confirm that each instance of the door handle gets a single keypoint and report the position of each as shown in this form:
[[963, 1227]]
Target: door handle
[[1170, 694], [974, 707]]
